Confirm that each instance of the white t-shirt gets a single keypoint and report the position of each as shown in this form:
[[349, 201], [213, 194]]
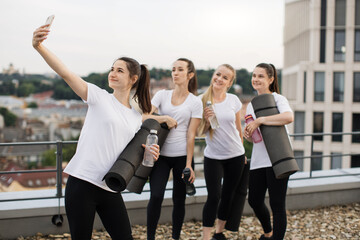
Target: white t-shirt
[[175, 143], [259, 156], [108, 128], [226, 142]]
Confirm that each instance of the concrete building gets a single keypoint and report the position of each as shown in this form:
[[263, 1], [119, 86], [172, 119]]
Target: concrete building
[[321, 78]]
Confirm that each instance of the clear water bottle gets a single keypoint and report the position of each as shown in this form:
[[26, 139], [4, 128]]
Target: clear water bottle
[[256, 136], [151, 139], [213, 120]]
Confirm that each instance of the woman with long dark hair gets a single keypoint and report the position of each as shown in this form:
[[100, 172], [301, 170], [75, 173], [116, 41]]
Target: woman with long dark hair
[[264, 81], [110, 123], [182, 111]]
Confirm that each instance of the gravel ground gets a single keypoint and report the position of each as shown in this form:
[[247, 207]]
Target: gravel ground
[[335, 222]]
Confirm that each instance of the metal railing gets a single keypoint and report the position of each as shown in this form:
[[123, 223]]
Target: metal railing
[[59, 159]]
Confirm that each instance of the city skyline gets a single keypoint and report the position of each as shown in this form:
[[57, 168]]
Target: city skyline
[[89, 35]]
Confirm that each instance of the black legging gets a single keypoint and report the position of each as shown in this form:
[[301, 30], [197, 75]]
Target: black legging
[[260, 180], [214, 170], [83, 199], [158, 179]]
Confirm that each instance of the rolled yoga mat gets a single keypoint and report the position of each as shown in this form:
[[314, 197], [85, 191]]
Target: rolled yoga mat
[[137, 182], [238, 202], [276, 138], [130, 159]]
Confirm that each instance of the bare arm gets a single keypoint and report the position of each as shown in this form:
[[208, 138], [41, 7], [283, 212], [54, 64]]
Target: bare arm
[[160, 118], [238, 125], [76, 83], [190, 143]]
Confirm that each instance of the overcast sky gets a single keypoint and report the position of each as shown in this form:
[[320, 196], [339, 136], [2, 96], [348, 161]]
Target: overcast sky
[[88, 35]]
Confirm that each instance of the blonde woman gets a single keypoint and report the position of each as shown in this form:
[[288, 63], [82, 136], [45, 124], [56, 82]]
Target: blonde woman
[[224, 157]]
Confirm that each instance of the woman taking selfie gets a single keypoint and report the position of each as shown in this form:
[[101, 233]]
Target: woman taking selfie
[[110, 123]]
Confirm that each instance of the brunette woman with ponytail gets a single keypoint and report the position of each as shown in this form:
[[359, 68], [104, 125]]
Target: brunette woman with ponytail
[[264, 81], [182, 112], [110, 123]]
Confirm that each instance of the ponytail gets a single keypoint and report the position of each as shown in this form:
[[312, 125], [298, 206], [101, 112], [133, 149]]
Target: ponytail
[[142, 85], [207, 96], [142, 93], [271, 72]]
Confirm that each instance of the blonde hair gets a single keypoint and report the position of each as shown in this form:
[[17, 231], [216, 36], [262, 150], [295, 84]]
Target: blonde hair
[[208, 96]]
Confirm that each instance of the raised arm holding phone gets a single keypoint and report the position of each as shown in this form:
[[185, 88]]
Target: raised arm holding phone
[[110, 123]]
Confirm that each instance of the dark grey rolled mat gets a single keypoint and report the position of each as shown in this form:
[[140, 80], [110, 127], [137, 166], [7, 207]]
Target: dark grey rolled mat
[[137, 182], [130, 159], [276, 138], [238, 202]]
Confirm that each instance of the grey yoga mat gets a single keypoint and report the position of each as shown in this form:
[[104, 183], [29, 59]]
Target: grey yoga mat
[[276, 139], [130, 159], [142, 174]]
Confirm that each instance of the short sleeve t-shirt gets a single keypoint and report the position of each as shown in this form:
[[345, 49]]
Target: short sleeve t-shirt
[[175, 143], [259, 156], [226, 142], [108, 128]]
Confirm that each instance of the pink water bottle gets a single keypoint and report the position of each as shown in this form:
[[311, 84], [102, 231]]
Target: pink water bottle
[[256, 136]]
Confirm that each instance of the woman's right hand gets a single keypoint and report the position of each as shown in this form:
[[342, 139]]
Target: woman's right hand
[[40, 34], [170, 122], [208, 112]]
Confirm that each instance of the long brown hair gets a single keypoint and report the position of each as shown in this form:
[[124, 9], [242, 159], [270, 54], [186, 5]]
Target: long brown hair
[[208, 96], [271, 72], [192, 86], [142, 85]]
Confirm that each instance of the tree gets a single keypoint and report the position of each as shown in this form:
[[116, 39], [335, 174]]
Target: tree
[[9, 117], [32, 105], [25, 89]]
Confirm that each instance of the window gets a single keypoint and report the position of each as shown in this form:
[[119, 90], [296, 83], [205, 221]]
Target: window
[[318, 126], [299, 124], [338, 87], [356, 127], [316, 161], [357, 46], [322, 45], [337, 126], [319, 86], [323, 31], [357, 31], [304, 87], [336, 160], [355, 161], [299, 159], [357, 12], [339, 48], [356, 87], [340, 12]]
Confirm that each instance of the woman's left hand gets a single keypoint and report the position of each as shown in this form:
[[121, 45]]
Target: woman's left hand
[[192, 174], [251, 127], [155, 150]]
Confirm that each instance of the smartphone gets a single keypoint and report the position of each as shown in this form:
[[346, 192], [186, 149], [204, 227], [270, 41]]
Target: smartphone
[[49, 21]]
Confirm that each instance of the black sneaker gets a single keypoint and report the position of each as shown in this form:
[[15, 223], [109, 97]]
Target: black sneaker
[[219, 236], [262, 237]]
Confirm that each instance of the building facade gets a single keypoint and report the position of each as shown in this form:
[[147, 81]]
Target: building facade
[[321, 79]]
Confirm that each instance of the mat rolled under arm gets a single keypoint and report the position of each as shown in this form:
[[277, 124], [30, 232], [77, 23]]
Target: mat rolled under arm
[[129, 161], [276, 138]]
